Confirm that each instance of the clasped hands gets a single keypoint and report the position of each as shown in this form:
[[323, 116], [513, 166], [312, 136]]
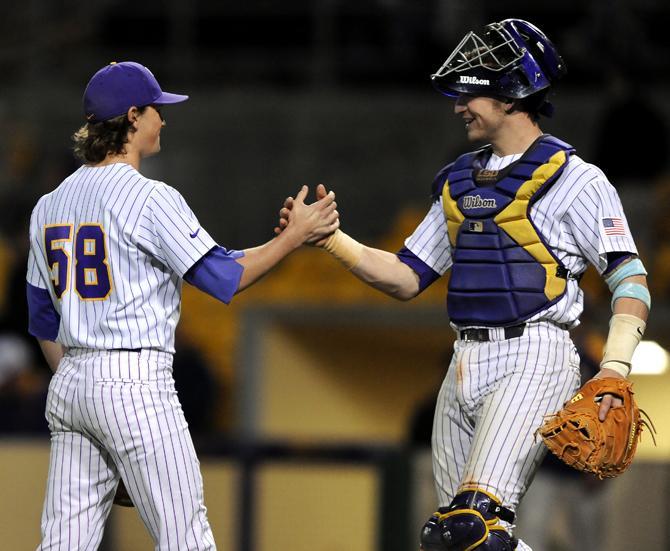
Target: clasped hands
[[316, 222]]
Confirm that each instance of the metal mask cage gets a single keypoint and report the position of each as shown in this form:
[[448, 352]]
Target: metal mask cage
[[495, 51]]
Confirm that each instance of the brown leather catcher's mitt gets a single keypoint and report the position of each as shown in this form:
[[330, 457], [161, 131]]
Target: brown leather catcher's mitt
[[577, 437]]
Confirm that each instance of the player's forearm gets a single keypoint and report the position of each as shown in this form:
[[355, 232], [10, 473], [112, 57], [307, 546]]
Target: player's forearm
[[258, 261], [385, 272], [632, 306], [379, 269], [53, 353], [627, 327]]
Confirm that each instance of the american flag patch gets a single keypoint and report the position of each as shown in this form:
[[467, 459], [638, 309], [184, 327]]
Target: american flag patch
[[614, 226]]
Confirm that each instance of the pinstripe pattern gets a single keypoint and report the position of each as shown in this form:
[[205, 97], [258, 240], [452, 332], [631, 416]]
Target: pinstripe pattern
[[115, 414], [496, 393], [147, 226], [569, 217], [492, 400]]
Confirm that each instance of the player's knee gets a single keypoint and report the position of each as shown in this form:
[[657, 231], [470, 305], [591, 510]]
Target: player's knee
[[470, 522]]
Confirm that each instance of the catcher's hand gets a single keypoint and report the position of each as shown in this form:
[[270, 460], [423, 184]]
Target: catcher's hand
[[578, 437], [608, 401], [121, 497], [284, 213]]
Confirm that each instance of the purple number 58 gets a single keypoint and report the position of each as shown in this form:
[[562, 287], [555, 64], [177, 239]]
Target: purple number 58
[[92, 275]]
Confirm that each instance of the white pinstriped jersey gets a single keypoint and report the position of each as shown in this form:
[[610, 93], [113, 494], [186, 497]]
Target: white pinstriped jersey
[[571, 217], [111, 246]]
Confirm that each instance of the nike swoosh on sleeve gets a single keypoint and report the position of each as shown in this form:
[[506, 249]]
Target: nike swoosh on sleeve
[[195, 233]]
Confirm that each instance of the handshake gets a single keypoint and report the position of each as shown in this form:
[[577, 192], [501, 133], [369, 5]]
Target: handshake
[[318, 225], [312, 224]]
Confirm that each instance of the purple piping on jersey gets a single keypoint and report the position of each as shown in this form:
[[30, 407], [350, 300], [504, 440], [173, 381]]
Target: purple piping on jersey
[[217, 273], [615, 259], [426, 274], [43, 321]]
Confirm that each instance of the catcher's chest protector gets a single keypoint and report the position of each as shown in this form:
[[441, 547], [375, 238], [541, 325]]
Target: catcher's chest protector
[[503, 271]]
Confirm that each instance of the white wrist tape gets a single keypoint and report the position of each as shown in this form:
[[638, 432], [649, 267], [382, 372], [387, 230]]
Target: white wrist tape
[[346, 249], [621, 368], [625, 334]]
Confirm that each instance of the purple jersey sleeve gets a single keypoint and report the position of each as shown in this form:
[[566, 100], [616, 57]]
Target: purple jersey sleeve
[[426, 274], [614, 260], [217, 273], [43, 320]]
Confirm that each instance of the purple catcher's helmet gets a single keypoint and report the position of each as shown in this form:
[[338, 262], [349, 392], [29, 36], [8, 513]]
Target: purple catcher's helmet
[[510, 59]]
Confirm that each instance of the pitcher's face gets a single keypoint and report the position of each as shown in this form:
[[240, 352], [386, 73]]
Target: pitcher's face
[[147, 138]]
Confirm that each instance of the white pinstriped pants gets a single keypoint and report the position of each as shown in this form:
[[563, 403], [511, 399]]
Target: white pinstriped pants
[[116, 414], [493, 398]]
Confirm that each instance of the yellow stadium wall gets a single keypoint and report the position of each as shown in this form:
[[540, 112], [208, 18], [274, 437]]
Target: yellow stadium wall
[[304, 507], [298, 506], [308, 378]]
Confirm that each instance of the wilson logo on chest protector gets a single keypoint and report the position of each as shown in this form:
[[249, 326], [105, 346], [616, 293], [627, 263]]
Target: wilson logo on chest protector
[[476, 202]]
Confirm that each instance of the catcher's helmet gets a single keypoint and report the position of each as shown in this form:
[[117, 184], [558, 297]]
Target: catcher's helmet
[[510, 59]]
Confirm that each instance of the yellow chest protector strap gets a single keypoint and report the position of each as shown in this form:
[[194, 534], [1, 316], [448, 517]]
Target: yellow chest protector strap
[[514, 220]]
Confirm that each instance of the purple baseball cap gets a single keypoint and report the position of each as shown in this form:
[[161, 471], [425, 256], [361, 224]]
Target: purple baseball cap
[[118, 86]]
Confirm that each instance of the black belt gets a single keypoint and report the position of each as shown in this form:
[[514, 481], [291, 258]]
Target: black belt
[[483, 335]]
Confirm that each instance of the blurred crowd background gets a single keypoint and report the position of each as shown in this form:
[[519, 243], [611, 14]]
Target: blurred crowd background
[[333, 91]]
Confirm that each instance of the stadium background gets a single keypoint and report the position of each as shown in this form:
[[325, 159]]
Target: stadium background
[[309, 397]]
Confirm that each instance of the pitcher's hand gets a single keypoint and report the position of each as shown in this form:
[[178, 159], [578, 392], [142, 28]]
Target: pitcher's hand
[[285, 212]]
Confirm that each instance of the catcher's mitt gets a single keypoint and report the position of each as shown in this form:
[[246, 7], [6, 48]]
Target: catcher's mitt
[[605, 448]]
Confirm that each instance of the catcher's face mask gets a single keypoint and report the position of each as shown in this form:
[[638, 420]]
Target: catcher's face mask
[[511, 59]]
